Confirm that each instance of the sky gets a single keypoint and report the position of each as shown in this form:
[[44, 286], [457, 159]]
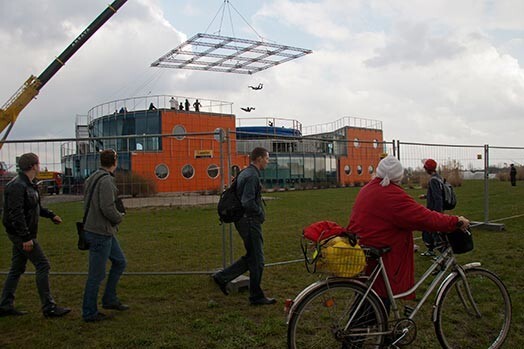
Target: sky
[[444, 72]]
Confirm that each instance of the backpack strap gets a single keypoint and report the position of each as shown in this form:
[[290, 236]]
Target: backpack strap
[[91, 195]]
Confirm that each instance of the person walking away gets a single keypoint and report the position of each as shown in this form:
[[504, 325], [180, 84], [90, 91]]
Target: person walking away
[[513, 175], [101, 226], [22, 209], [249, 227], [435, 202]]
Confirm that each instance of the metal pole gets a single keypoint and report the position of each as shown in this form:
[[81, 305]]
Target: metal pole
[[229, 184], [486, 186], [222, 184]]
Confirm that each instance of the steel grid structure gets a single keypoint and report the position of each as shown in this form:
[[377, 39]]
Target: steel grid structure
[[227, 54]]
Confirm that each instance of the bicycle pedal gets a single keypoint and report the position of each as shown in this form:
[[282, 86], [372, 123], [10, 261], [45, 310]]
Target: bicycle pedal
[[408, 310]]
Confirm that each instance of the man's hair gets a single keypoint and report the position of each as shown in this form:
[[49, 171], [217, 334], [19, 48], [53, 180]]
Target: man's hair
[[27, 160], [258, 152], [108, 157]]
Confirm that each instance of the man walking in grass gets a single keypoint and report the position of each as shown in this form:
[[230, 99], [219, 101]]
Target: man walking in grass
[[100, 227], [22, 210], [249, 227]]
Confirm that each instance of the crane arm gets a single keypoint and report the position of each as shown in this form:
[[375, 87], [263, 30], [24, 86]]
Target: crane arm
[[29, 90]]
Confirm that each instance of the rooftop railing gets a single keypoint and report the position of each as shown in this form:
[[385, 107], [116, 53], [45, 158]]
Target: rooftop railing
[[129, 105]]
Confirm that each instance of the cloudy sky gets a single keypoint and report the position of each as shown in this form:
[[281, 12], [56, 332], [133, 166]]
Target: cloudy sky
[[432, 71]]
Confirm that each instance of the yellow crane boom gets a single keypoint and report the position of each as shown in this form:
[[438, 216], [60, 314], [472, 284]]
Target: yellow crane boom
[[29, 90]]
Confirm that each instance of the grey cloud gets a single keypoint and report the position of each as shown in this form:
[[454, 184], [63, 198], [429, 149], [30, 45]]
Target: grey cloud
[[412, 43]]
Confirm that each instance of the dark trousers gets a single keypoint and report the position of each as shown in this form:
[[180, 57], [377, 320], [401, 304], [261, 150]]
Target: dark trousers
[[513, 180], [251, 233], [18, 265], [429, 239]]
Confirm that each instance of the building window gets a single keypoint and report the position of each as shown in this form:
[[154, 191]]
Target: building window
[[188, 171], [212, 171], [356, 142], [219, 134], [161, 171], [371, 169], [347, 170], [179, 132], [375, 144], [359, 169]]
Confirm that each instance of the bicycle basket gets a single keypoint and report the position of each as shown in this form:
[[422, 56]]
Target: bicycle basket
[[460, 241], [339, 258]]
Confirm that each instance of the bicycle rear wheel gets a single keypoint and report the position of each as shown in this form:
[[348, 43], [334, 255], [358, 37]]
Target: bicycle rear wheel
[[319, 319], [459, 325]]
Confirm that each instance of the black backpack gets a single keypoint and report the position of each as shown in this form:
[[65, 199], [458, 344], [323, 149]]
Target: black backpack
[[229, 206], [450, 199]]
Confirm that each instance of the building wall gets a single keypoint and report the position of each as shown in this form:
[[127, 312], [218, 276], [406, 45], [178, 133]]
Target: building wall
[[364, 147], [201, 152]]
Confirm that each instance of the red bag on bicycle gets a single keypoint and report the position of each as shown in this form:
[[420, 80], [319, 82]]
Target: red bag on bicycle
[[322, 230]]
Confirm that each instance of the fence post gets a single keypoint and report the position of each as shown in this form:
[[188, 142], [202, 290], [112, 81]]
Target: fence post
[[229, 165], [486, 224], [222, 185], [486, 183]]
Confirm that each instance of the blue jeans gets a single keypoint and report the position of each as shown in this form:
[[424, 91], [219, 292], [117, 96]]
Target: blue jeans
[[251, 232], [102, 248], [18, 263]]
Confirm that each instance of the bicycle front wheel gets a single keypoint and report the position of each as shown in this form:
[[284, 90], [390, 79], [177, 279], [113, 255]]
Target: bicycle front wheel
[[321, 318], [479, 321]]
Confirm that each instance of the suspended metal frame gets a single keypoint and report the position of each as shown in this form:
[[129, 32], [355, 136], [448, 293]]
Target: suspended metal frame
[[218, 53]]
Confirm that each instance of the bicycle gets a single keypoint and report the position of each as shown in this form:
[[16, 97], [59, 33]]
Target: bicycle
[[472, 308]]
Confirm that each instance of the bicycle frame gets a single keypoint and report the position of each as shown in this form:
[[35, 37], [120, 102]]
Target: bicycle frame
[[446, 261]]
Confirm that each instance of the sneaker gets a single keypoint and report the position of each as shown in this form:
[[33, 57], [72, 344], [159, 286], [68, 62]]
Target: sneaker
[[56, 311], [119, 306], [12, 312], [98, 317], [428, 253]]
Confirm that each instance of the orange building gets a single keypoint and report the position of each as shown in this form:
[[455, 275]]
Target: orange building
[[185, 150]]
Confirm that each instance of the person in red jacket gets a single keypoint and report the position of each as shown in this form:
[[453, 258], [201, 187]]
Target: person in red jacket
[[385, 215]]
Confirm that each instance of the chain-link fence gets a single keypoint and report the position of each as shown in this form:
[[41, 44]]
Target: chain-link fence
[[162, 177]]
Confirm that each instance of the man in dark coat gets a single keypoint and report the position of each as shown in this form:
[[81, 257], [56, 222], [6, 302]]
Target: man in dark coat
[[250, 229], [22, 210]]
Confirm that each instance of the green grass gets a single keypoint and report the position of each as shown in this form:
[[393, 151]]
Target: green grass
[[188, 311]]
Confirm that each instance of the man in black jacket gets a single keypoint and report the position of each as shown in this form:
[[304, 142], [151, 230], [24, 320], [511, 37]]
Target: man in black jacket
[[249, 227], [22, 209]]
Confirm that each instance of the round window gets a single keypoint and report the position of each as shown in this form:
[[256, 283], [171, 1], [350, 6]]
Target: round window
[[212, 171], [359, 169], [188, 171], [347, 170], [161, 171], [371, 169], [356, 143], [179, 132], [375, 144]]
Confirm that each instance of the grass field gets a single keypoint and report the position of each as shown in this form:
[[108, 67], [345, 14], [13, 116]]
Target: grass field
[[188, 311]]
